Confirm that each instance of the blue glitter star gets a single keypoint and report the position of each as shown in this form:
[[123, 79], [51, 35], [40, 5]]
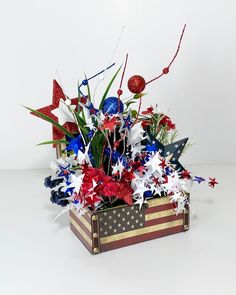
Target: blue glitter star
[[127, 123], [75, 144]]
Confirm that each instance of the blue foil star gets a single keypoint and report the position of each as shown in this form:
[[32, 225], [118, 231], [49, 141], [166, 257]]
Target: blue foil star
[[75, 144], [199, 179]]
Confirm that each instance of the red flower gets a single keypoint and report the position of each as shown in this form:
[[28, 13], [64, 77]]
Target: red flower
[[106, 186], [146, 123], [149, 111], [120, 190], [128, 176], [167, 121]]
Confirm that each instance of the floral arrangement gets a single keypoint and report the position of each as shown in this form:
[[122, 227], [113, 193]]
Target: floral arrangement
[[114, 154]]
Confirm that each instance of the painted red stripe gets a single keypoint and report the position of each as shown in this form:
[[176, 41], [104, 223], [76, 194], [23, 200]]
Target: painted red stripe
[[84, 228], [159, 208], [141, 238], [80, 237], [164, 219]]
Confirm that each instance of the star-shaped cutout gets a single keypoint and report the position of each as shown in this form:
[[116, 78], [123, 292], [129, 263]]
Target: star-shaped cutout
[[175, 149], [64, 172], [172, 183], [154, 163], [52, 112]]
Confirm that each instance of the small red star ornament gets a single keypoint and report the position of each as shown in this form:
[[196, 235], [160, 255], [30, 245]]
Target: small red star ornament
[[212, 182], [53, 110], [185, 174]]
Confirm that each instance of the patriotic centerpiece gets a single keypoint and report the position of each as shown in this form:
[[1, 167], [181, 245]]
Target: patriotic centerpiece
[[116, 158]]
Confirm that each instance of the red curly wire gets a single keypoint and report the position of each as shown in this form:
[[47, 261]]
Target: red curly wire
[[166, 69]]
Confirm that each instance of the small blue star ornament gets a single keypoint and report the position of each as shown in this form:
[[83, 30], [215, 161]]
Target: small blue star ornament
[[126, 123], [75, 144], [112, 105]]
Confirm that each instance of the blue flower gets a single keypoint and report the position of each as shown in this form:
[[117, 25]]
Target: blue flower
[[59, 197], [48, 182]]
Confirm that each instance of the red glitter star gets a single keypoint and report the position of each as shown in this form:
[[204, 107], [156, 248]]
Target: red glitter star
[[109, 123], [212, 182], [163, 163]]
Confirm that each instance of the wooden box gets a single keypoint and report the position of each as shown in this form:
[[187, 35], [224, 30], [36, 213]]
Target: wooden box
[[125, 225]]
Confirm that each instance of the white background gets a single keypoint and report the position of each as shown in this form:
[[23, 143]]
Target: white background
[[38, 37], [38, 256]]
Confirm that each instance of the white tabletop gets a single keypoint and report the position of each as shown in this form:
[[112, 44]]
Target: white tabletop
[[39, 257]]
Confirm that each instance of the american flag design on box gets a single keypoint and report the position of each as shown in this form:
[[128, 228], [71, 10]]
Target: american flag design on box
[[125, 225]]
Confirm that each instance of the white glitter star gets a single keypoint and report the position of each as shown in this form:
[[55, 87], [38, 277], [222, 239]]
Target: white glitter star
[[63, 113]]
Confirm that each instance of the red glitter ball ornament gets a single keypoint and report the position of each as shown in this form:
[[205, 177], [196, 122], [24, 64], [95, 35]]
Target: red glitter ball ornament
[[136, 84]]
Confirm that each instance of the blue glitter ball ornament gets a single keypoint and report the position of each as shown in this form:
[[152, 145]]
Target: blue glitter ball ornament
[[112, 105]]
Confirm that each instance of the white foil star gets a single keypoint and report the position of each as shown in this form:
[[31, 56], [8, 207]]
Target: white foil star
[[154, 163], [76, 181], [136, 149], [135, 135], [118, 168]]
